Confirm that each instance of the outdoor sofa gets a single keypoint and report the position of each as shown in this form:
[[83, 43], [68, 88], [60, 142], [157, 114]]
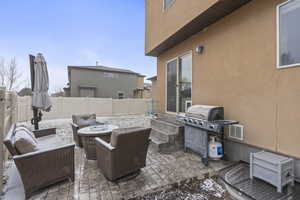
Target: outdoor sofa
[[125, 154], [40, 157], [81, 121]]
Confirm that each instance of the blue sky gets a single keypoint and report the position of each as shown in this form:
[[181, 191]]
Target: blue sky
[[74, 32]]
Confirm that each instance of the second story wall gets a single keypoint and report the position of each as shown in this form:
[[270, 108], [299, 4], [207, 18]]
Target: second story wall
[[162, 23]]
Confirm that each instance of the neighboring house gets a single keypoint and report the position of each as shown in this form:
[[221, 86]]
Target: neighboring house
[[58, 94], [103, 82], [25, 92], [243, 55]]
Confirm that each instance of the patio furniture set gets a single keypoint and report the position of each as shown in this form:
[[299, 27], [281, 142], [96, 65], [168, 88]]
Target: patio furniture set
[[42, 159]]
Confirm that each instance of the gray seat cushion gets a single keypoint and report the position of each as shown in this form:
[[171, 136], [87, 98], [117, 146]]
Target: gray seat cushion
[[50, 142], [122, 131], [27, 130], [24, 141], [84, 120]]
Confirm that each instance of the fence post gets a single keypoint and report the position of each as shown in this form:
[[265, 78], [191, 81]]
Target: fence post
[[2, 117]]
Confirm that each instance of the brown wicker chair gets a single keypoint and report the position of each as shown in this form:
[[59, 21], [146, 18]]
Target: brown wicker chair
[[125, 154], [81, 121], [43, 167]]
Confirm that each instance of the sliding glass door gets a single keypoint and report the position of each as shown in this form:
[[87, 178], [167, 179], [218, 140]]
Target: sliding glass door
[[172, 86], [185, 82], [179, 83]]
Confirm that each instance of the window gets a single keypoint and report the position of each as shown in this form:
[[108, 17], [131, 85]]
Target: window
[[168, 3], [121, 95], [288, 34]]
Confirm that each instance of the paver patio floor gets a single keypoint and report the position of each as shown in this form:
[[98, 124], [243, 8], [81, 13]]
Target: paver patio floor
[[90, 184]]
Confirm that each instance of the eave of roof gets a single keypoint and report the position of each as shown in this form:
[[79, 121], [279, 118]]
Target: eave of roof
[[216, 12], [152, 78], [104, 68]]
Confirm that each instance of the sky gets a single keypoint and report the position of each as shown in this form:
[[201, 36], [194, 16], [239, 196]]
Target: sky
[[74, 32]]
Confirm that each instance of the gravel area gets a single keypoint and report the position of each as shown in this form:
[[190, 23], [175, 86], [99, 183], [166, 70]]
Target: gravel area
[[190, 189]]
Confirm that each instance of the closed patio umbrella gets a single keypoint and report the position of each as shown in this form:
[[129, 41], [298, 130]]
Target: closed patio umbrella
[[41, 99], [40, 86]]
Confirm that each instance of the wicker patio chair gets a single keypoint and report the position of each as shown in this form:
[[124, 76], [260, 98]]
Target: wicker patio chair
[[81, 121], [125, 154], [50, 164]]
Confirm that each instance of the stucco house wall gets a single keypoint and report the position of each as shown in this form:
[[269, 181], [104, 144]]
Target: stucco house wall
[[170, 19], [238, 71]]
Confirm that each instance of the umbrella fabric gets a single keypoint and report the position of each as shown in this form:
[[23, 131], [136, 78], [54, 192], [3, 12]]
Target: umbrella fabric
[[40, 98]]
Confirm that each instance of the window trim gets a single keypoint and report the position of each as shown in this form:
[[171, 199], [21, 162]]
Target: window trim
[[278, 38], [164, 5]]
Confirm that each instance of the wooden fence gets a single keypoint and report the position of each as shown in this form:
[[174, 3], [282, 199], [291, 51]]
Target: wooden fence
[[8, 116]]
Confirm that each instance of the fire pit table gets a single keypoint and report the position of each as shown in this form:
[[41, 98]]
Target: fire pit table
[[88, 135]]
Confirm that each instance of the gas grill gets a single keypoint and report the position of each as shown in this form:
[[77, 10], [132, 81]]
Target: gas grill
[[200, 122]]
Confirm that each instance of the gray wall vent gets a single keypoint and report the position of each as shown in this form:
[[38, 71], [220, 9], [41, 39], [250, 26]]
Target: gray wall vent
[[236, 131]]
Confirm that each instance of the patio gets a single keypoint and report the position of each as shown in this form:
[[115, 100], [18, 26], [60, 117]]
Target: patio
[[161, 170]]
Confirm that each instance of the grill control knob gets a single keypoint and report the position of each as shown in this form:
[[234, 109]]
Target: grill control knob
[[212, 126]]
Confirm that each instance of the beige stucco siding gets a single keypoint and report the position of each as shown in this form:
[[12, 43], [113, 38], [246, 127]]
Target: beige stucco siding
[[238, 71], [162, 24], [140, 83], [289, 111]]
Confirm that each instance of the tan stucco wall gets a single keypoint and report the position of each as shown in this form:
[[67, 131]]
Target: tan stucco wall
[[238, 71], [161, 24], [140, 83]]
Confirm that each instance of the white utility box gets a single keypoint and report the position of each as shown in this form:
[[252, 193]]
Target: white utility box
[[275, 169]]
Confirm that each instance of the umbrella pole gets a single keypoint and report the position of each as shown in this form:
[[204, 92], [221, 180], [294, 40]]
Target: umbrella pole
[[35, 120]]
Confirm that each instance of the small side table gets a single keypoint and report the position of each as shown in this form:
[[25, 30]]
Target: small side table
[[88, 135]]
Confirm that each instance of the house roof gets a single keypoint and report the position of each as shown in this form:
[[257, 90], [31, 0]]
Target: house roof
[[152, 78], [104, 68]]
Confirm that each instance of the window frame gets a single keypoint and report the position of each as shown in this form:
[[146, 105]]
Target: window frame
[[165, 6], [278, 37]]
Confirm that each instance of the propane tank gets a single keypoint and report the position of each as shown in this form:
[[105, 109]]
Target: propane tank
[[215, 149]]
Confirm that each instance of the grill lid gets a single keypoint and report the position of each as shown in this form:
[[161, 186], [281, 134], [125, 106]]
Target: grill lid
[[206, 112]]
